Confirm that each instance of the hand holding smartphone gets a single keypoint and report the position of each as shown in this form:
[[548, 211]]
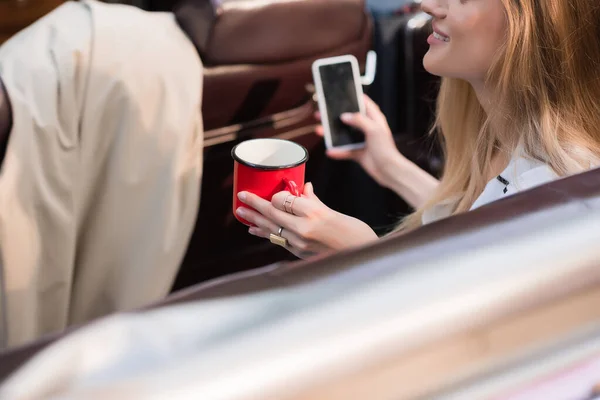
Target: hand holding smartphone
[[339, 90]]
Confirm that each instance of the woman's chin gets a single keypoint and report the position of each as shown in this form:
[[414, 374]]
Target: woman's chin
[[432, 67], [439, 67]]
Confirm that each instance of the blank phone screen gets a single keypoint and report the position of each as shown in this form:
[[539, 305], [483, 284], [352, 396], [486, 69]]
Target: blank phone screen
[[339, 90]]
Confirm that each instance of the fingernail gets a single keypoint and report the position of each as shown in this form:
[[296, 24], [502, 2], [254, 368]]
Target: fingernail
[[346, 117], [242, 196], [252, 231], [240, 211]]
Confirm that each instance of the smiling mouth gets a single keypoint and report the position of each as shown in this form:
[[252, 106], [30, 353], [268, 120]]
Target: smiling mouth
[[441, 37]]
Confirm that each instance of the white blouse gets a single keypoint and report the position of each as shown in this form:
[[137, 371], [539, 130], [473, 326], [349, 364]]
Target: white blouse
[[520, 174]]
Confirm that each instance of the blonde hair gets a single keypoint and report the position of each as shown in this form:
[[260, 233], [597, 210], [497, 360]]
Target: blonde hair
[[546, 84]]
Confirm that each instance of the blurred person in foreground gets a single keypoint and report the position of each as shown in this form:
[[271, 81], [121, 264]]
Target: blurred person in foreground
[[519, 105], [100, 113]]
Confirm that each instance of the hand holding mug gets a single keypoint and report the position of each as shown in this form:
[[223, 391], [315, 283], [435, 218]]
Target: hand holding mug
[[271, 198], [306, 225], [267, 166]]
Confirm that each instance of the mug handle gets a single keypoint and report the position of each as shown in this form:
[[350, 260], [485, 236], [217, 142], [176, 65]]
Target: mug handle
[[292, 187]]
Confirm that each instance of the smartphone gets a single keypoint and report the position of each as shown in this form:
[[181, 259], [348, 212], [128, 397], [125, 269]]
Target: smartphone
[[339, 90]]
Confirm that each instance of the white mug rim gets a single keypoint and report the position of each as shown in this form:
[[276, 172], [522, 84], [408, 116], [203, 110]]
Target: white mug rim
[[240, 160]]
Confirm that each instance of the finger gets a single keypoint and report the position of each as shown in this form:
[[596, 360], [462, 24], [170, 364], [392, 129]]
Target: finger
[[301, 206], [359, 121], [309, 190], [296, 244], [317, 115], [265, 225], [266, 209], [260, 232], [257, 219], [373, 111], [319, 130]]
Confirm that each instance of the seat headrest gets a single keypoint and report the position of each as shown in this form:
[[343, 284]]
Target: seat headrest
[[269, 31]]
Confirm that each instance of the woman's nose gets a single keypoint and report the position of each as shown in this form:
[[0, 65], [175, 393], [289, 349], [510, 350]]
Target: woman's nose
[[435, 8]]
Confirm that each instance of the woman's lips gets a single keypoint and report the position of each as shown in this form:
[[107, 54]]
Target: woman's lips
[[438, 36]]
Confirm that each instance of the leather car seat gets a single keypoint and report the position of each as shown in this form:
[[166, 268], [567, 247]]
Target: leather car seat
[[257, 54]]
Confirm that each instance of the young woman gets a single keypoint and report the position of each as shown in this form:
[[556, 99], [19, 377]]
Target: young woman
[[519, 105]]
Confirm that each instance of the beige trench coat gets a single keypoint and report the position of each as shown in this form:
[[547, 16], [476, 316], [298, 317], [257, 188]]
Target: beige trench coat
[[99, 189]]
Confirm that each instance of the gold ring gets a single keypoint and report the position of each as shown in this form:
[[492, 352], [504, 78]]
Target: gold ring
[[289, 202], [285, 202], [278, 240], [292, 205]]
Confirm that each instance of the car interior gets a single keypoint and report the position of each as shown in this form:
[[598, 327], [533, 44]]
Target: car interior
[[258, 84]]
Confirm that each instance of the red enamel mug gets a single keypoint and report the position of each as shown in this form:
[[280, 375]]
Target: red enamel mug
[[265, 167]]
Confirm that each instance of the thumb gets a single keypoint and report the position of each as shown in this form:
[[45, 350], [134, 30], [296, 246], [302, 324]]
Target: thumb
[[309, 191]]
